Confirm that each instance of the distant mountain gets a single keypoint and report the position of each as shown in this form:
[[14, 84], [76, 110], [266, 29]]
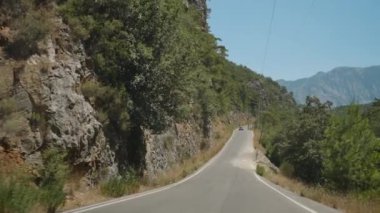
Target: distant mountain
[[342, 85]]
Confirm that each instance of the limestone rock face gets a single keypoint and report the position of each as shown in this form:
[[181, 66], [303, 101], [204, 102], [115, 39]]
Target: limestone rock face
[[176, 144], [46, 88]]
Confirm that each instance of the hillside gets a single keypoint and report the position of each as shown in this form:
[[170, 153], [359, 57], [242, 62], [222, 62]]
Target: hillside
[[341, 86], [99, 90]]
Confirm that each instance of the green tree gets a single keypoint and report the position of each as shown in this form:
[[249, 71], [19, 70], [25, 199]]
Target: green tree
[[304, 139], [373, 115], [141, 45], [351, 153]]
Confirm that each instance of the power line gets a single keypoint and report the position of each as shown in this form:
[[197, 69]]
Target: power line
[[268, 36], [261, 99]]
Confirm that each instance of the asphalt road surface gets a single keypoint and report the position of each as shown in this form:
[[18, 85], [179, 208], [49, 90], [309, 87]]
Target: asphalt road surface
[[227, 184]]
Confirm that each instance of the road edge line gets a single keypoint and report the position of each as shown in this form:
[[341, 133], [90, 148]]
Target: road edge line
[[284, 195], [153, 191]]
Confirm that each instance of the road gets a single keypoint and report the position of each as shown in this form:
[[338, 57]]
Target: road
[[227, 184]]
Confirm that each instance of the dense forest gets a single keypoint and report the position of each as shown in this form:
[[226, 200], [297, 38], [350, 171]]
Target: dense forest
[[336, 148]]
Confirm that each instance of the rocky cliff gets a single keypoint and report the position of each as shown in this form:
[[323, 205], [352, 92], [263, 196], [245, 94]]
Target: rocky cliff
[[179, 142], [50, 110], [184, 140], [47, 109]]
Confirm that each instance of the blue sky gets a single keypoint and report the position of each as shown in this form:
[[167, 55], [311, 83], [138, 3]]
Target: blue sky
[[308, 36]]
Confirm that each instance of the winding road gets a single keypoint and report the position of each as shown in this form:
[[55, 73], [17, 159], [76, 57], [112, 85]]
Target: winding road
[[226, 184]]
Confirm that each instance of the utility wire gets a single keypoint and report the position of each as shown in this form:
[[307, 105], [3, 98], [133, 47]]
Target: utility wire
[[261, 98], [268, 36]]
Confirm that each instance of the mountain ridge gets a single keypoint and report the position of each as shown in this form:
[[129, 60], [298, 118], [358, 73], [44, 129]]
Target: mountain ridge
[[342, 85]]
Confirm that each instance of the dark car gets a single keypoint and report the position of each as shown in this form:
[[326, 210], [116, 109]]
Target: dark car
[[241, 128]]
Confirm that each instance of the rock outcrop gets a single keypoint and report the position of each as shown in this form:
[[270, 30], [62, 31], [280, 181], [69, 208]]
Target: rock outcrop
[[176, 144], [52, 111], [261, 158]]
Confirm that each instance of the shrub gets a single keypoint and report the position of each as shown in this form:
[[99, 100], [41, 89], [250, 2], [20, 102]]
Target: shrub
[[114, 187], [260, 170], [287, 169], [36, 120], [17, 194], [53, 177], [119, 186], [91, 89], [132, 181], [30, 29], [10, 9]]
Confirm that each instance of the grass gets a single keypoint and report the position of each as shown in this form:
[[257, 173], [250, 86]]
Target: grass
[[349, 203], [115, 187], [127, 183], [17, 194], [260, 170]]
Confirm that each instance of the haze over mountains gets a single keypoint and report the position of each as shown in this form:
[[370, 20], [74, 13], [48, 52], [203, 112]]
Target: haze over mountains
[[342, 85]]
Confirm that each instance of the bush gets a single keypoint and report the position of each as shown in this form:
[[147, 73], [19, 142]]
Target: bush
[[17, 194], [119, 186], [91, 89], [114, 187], [132, 181], [11, 9], [36, 119], [260, 170], [53, 177], [287, 169], [30, 29]]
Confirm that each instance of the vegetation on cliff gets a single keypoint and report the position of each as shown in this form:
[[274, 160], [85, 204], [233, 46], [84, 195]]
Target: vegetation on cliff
[[21, 191], [157, 65]]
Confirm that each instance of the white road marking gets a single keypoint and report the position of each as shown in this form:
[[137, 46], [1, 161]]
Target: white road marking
[[143, 194], [284, 195], [278, 191]]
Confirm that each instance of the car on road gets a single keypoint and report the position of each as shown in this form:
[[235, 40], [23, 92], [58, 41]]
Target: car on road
[[241, 128]]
